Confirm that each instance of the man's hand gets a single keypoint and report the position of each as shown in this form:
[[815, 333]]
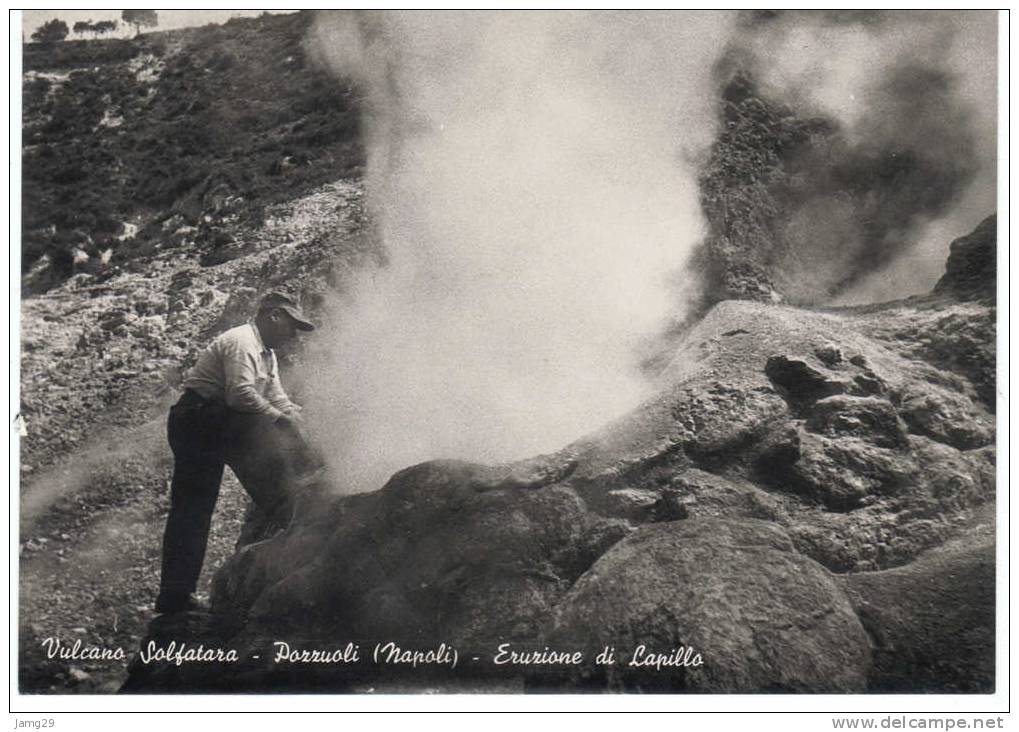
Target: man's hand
[[290, 421]]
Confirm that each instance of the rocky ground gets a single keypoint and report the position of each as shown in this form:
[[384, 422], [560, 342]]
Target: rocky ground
[[808, 502]]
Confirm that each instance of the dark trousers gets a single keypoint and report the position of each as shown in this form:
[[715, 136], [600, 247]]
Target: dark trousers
[[205, 436]]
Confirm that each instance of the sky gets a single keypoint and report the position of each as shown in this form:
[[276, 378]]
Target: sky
[[168, 19]]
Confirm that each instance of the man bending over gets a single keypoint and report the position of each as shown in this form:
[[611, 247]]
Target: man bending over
[[233, 412]]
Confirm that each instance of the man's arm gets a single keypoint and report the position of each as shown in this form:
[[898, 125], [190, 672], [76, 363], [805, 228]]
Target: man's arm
[[275, 394], [240, 391]]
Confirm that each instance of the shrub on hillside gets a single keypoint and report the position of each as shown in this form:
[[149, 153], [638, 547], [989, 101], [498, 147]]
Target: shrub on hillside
[[104, 26], [77, 54], [140, 19], [35, 92], [51, 31]]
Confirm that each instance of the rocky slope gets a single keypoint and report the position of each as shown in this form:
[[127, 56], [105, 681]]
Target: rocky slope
[[91, 347], [136, 146], [807, 503]]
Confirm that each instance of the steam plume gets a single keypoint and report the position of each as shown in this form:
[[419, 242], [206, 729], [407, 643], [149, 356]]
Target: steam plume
[[907, 162], [533, 178]]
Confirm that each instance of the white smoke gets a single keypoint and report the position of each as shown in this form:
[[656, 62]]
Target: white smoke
[[533, 178], [833, 63], [967, 45]]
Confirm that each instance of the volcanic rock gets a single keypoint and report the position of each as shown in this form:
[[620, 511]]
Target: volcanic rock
[[842, 473], [932, 622], [762, 616], [433, 554], [706, 495], [946, 417], [802, 381], [871, 419], [971, 270]]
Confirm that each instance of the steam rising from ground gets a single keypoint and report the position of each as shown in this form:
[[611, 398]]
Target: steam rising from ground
[[532, 178], [914, 96]]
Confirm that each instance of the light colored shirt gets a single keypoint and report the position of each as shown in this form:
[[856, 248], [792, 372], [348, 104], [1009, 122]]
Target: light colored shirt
[[237, 368]]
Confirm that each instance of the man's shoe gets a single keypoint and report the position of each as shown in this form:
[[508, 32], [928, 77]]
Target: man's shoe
[[178, 604]]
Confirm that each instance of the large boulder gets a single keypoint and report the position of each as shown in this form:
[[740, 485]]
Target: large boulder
[[870, 419], [434, 554], [971, 270], [761, 616], [950, 418], [841, 473], [706, 495], [932, 621]]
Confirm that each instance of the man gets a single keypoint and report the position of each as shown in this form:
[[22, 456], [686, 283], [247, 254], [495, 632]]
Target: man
[[233, 412]]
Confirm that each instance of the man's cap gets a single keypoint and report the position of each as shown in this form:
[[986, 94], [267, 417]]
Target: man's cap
[[278, 300]]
